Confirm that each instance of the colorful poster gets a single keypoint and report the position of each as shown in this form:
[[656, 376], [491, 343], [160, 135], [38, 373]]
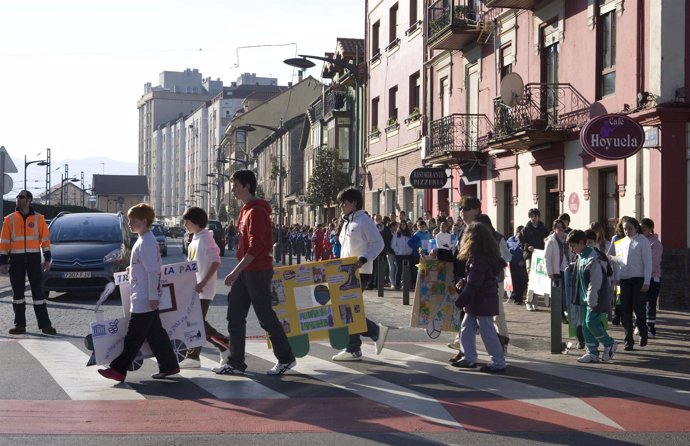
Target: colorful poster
[[434, 303], [319, 300], [180, 313]]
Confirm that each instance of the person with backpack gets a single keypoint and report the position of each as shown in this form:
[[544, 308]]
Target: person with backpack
[[592, 288]]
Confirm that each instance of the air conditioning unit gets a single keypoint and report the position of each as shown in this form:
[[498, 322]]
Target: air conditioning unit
[[425, 147]]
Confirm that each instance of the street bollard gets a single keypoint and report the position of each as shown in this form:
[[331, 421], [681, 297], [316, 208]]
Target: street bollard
[[283, 250], [299, 256], [380, 274], [406, 281], [290, 254], [556, 314]]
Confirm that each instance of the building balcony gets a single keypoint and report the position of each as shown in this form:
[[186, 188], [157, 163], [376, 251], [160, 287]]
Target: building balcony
[[457, 138], [452, 24], [515, 4], [546, 113]]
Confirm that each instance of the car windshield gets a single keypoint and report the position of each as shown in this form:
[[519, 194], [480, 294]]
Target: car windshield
[[157, 230], [87, 229]]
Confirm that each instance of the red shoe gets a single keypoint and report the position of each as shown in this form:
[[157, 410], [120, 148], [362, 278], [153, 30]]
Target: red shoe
[[112, 374], [161, 375]]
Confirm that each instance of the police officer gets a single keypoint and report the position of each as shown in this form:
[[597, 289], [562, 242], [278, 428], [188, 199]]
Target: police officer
[[24, 235]]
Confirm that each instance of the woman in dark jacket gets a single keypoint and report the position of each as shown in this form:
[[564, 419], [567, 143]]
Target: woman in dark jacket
[[479, 298]]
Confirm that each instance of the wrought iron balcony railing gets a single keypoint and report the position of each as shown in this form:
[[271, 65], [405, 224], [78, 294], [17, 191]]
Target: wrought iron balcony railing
[[543, 107], [335, 100], [445, 14], [458, 133]]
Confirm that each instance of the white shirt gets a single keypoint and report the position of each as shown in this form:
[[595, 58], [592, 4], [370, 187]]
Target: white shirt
[[633, 257], [144, 265], [204, 250], [360, 238]]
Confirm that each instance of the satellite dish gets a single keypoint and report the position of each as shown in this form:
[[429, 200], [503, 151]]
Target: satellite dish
[[512, 89]]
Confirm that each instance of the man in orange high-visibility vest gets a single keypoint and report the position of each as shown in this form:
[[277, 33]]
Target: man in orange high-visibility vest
[[24, 235]]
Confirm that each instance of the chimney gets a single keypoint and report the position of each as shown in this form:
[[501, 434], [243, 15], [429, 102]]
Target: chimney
[[300, 75]]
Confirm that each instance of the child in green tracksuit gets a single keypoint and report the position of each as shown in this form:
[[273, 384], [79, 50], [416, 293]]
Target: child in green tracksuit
[[592, 288]]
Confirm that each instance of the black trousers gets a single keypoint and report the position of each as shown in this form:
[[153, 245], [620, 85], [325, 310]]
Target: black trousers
[[253, 288], [518, 273], [398, 273], [633, 301], [18, 273], [372, 332], [146, 327], [195, 352]]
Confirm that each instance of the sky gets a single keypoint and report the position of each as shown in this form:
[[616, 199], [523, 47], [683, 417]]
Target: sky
[[71, 71]]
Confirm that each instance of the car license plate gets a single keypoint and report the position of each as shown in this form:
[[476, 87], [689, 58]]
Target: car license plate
[[77, 275]]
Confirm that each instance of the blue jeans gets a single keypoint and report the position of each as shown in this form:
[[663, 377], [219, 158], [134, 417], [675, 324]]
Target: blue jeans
[[468, 339], [594, 331]]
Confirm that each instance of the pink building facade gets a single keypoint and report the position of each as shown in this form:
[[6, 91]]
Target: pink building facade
[[394, 121], [510, 84]]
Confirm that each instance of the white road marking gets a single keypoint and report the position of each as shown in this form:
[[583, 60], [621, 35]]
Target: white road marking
[[365, 386], [228, 386], [501, 386], [67, 365]]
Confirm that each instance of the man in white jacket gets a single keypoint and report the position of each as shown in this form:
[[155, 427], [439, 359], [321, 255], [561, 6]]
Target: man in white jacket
[[360, 238]]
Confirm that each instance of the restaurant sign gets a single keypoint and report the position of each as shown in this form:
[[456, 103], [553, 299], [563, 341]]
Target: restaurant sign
[[428, 178], [612, 137]]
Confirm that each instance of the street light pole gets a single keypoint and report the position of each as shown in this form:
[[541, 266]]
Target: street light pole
[[27, 163]]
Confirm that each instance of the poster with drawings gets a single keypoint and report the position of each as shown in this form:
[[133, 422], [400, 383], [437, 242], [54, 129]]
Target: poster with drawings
[[317, 299]]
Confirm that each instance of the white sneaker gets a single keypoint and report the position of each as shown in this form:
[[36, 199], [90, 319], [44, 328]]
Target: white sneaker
[[529, 306], [454, 345], [348, 356], [281, 368], [381, 340], [588, 357], [609, 351], [189, 363]]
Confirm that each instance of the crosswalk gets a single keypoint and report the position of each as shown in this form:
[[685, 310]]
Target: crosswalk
[[410, 384]]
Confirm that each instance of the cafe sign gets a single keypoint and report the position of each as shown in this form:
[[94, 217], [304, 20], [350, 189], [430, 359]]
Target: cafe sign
[[428, 178], [612, 137]]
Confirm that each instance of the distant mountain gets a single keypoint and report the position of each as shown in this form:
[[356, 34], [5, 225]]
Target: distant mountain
[[36, 175]]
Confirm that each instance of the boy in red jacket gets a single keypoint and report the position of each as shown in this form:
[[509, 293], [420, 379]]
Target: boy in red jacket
[[251, 281]]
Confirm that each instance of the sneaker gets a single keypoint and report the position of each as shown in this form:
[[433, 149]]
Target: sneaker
[[492, 369], [381, 340], [49, 330], [227, 369], [454, 345], [111, 373], [643, 342], [17, 330], [281, 368], [457, 357], [161, 375], [637, 331], [190, 363], [219, 341], [628, 347], [348, 356], [464, 364], [588, 357], [580, 345], [609, 351]]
